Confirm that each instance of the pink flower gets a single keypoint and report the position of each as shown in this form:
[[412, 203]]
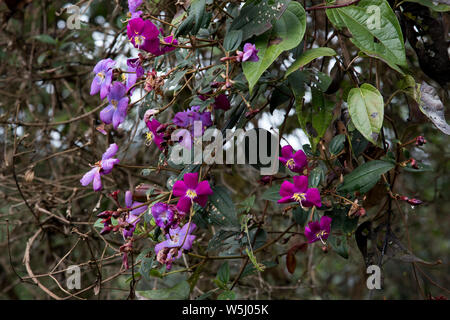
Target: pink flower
[[318, 231], [295, 162], [143, 34], [153, 135], [190, 190], [300, 193]]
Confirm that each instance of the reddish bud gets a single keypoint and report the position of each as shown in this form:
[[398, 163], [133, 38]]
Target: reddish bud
[[414, 202], [105, 230], [420, 141]]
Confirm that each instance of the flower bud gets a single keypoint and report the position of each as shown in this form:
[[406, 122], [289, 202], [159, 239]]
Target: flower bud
[[420, 141]]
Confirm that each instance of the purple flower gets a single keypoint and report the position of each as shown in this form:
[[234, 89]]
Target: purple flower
[[186, 119], [133, 5], [116, 111], [103, 77], [190, 190], [153, 135], [135, 71], [293, 161], [100, 168], [300, 193], [143, 34], [177, 239], [250, 53], [133, 215], [165, 46], [318, 231], [163, 215]]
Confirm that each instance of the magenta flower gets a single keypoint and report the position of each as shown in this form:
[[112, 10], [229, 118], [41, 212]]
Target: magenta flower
[[300, 193], [178, 239], [133, 215], [143, 34], [295, 162], [135, 71], [165, 46], [190, 190], [116, 111], [133, 5], [153, 135], [163, 215], [103, 77], [100, 168], [318, 231], [250, 53]]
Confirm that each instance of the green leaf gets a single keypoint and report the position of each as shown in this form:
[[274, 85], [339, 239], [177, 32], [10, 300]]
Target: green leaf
[[221, 207], [178, 292], [45, 38], [224, 273], [309, 56], [300, 216], [198, 10], [286, 34], [315, 119], [374, 27], [256, 18], [366, 109], [339, 245], [364, 177], [341, 221], [272, 194], [439, 7], [259, 266], [227, 295], [337, 144], [232, 40], [146, 267], [217, 241]]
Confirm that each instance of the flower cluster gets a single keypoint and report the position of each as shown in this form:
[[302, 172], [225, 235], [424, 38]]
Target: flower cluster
[[299, 192], [168, 217], [117, 85]]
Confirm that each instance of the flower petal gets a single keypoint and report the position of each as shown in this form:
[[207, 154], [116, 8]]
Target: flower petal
[[203, 188], [301, 183], [111, 151], [179, 189], [286, 189], [97, 184], [184, 204], [89, 176], [191, 180], [106, 114]]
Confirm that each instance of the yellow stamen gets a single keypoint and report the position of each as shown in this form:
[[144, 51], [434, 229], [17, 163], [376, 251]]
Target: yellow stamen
[[148, 138], [290, 164], [191, 194], [299, 197], [101, 75]]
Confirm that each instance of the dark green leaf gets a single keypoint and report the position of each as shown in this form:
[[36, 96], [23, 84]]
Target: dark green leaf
[[364, 177], [178, 292]]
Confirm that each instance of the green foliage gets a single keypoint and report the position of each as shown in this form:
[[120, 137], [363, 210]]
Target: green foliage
[[366, 108], [286, 34], [364, 177], [370, 20]]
